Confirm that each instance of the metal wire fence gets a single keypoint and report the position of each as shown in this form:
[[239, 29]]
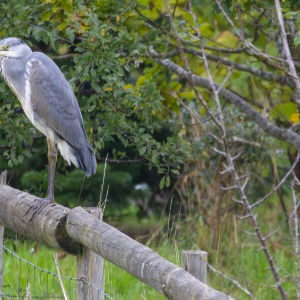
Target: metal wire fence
[[26, 280]]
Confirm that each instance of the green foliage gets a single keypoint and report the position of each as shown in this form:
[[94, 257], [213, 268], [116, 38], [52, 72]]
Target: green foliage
[[132, 108], [123, 117], [151, 122]]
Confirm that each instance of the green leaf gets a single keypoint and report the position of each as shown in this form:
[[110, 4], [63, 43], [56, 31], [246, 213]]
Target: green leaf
[[143, 150], [175, 171], [62, 26], [297, 40], [20, 158], [46, 15], [162, 183], [167, 181]]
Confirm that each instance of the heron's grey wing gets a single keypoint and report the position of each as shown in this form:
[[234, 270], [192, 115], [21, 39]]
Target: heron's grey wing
[[53, 100]]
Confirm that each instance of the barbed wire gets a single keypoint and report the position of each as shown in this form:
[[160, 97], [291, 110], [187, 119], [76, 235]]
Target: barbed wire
[[44, 292]]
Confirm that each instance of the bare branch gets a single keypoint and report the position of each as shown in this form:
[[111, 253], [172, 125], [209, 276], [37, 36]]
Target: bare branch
[[224, 48], [282, 181], [247, 216], [244, 184], [186, 65], [286, 135], [123, 161], [236, 139], [251, 49], [238, 201], [225, 80], [235, 282], [218, 91], [227, 50], [210, 79], [226, 169], [295, 235], [287, 52], [227, 188], [272, 233], [249, 232], [241, 67], [218, 151], [236, 156]]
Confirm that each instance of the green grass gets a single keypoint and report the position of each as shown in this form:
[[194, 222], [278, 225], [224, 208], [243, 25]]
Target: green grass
[[17, 274], [29, 272]]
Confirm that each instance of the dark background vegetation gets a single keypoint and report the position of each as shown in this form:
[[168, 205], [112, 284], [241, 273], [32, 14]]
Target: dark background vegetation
[[147, 123]]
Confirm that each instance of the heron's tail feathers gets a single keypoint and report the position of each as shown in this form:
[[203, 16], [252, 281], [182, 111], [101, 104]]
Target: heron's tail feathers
[[86, 159], [83, 158]]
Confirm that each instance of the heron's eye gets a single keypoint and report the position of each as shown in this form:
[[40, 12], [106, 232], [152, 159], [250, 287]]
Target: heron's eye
[[7, 47]]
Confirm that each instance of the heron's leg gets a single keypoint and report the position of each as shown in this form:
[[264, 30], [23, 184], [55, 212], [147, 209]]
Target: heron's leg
[[40, 203], [52, 157]]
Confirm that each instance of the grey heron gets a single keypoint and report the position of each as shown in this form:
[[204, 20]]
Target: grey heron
[[49, 103]]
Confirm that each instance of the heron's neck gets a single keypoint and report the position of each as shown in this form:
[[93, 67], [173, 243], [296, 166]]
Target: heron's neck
[[14, 70]]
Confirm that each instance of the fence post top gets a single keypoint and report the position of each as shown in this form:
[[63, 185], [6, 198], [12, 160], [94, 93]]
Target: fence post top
[[196, 252]]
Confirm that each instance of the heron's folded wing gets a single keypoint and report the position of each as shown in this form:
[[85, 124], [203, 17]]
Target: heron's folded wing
[[53, 100]]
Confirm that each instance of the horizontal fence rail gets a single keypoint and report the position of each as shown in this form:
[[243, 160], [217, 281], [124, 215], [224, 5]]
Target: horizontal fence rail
[[68, 229]]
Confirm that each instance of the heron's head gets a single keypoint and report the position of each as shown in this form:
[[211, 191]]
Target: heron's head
[[14, 48]]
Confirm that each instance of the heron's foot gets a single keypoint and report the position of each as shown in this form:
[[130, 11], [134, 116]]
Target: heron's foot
[[36, 206]]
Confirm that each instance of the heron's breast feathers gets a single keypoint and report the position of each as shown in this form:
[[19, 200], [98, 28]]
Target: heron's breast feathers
[[26, 101]]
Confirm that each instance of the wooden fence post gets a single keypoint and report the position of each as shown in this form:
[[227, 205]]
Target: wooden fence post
[[3, 178], [90, 269], [195, 262]]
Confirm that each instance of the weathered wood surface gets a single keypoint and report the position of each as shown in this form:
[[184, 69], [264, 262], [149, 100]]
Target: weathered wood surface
[[90, 269], [195, 262], [47, 226], [63, 228]]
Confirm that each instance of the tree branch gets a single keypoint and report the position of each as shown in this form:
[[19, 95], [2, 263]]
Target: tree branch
[[251, 49], [287, 52], [235, 282], [286, 135], [245, 68]]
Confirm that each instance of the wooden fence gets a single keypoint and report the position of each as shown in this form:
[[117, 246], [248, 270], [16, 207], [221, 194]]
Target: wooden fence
[[78, 232]]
